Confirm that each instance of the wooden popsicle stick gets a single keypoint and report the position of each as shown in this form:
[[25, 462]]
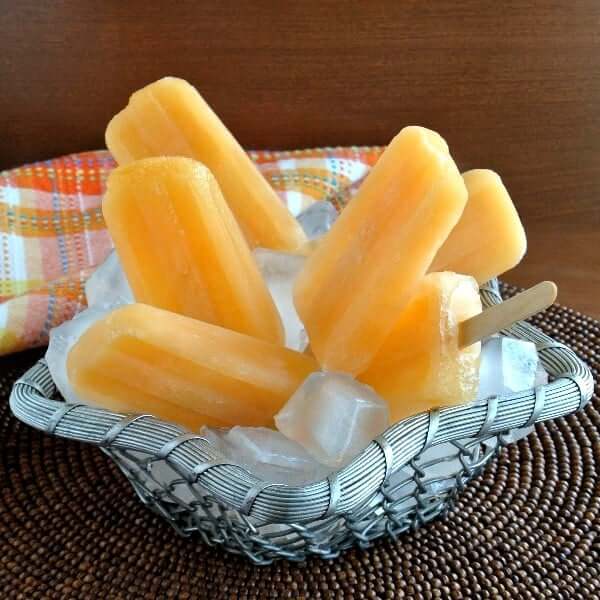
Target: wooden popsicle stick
[[500, 316]]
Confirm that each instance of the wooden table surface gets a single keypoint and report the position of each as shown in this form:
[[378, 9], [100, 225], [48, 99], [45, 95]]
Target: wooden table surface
[[512, 86]]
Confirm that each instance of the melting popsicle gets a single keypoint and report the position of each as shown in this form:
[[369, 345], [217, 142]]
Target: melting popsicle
[[169, 117], [489, 239], [422, 365], [182, 249], [369, 265], [143, 359]]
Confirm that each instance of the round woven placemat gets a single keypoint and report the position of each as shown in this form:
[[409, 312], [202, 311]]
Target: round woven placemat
[[72, 527]]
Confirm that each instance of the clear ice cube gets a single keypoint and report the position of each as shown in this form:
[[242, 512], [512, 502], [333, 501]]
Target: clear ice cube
[[62, 339], [333, 417], [317, 219], [507, 366], [267, 453], [515, 434], [279, 269], [108, 286], [541, 375]]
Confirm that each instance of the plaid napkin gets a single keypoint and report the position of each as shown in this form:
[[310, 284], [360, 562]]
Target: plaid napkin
[[53, 235]]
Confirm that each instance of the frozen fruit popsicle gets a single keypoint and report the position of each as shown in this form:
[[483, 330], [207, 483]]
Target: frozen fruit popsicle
[[169, 117], [421, 365], [182, 249], [368, 266], [489, 239], [143, 359]]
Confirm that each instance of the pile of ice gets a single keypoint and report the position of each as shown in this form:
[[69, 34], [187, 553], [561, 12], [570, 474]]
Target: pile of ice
[[331, 418], [267, 453]]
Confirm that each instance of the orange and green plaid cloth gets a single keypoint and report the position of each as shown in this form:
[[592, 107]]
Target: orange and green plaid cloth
[[53, 234]]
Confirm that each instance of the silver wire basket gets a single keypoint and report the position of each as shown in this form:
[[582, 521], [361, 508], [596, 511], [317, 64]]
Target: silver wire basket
[[394, 485]]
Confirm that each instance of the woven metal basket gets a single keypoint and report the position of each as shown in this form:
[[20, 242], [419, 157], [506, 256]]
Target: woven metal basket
[[392, 486]]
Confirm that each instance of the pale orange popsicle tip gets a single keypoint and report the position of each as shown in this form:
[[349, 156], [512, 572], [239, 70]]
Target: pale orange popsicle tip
[[143, 359], [368, 266], [170, 117], [130, 139], [182, 249], [421, 364], [489, 239]]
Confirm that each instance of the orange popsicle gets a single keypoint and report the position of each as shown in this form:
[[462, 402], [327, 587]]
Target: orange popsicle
[[182, 249], [489, 239], [169, 117], [144, 359], [420, 365], [369, 265]]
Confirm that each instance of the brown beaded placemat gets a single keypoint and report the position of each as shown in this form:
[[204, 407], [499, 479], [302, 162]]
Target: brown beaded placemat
[[72, 527]]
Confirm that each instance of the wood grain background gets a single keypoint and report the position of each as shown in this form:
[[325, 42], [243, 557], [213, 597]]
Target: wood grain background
[[514, 87]]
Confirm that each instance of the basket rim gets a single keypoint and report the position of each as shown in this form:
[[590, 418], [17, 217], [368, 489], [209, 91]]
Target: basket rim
[[200, 463]]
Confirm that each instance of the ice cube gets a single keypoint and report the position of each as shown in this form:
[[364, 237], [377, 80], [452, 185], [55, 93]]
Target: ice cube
[[333, 417], [279, 270], [507, 366], [515, 434], [541, 375], [62, 339], [267, 453], [317, 219], [108, 285]]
